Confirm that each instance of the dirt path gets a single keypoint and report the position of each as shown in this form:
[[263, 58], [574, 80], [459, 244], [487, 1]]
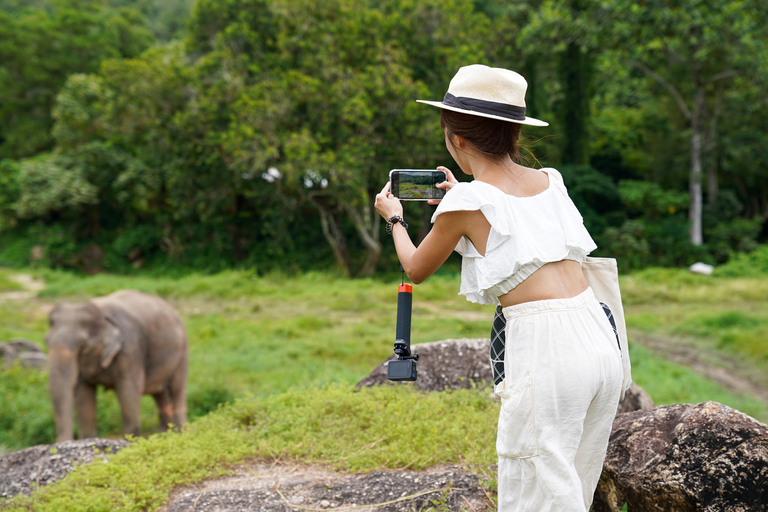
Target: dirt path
[[30, 287], [732, 374], [260, 485]]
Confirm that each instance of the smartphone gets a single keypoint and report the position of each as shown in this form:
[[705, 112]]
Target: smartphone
[[416, 184]]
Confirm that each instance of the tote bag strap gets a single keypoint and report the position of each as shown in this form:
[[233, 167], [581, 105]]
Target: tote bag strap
[[602, 276]]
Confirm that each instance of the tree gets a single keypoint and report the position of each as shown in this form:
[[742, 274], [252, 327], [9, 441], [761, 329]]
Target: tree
[[567, 32], [40, 48], [693, 50], [328, 97]]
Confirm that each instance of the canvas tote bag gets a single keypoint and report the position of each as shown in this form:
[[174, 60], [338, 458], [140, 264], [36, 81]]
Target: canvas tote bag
[[602, 276]]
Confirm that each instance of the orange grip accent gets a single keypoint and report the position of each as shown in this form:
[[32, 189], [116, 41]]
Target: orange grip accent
[[405, 287]]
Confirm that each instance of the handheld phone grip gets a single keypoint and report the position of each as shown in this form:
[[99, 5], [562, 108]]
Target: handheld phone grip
[[404, 306]]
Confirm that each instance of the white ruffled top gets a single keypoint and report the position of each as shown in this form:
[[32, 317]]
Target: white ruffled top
[[526, 233]]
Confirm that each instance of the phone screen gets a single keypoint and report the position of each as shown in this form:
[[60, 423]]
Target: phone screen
[[416, 184]]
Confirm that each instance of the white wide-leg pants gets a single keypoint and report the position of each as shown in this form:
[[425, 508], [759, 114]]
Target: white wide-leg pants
[[562, 383]]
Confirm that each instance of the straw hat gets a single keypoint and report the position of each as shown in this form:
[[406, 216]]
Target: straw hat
[[483, 91]]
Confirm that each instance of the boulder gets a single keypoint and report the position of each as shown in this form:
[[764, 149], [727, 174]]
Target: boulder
[[705, 458], [24, 351], [447, 364], [465, 362], [39, 465], [635, 399]]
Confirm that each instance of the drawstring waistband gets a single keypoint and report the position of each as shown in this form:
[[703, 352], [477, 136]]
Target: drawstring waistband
[[540, 306]]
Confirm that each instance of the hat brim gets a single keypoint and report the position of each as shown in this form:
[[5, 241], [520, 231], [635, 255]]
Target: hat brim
[[531, 121]]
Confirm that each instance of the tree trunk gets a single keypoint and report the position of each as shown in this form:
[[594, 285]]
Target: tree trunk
[[575, 69], [709, 148], [367, 223], [335, 238], [712, 185], [694, 214]]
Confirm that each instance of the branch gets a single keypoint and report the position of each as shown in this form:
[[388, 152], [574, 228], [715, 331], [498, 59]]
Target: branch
[[724, 75], [668, 86]]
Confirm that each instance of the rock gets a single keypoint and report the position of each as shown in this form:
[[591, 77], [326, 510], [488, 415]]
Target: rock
[[464, 362], [34, 360], [705, 458], [447, 364], [701, 268], [635, 399], [24, 351], [46, 463]]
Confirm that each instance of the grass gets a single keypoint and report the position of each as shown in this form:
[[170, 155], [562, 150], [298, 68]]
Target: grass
[[281, 354], [6, 283], [665, 286], [248, 335], [366, 430]]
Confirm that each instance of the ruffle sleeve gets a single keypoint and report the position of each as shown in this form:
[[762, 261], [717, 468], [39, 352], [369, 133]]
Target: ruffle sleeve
[[526, 233]]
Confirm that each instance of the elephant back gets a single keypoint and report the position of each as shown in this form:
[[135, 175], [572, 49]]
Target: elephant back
[[160, 324]]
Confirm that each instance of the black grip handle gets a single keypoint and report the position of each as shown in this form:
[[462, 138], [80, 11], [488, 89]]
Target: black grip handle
[[404, 305], [403, 326]]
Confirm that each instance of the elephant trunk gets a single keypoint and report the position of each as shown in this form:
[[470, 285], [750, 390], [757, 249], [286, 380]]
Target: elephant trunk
[[62, 379]]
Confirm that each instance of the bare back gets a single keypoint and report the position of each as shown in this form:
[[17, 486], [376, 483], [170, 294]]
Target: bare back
[[557, 280]]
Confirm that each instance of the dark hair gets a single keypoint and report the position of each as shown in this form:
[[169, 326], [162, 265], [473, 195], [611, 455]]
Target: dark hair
[[495, 139]]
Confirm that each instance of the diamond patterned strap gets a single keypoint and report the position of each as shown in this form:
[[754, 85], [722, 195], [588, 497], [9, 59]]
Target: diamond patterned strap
[[498, 340]]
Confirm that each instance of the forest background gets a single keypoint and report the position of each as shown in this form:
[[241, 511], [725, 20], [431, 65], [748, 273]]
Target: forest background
[[175, 135]]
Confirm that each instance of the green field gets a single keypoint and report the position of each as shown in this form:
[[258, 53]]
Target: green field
[[284, 353]]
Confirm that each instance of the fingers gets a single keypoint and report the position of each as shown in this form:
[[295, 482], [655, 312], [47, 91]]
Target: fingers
[[448, 173], [386, 204]]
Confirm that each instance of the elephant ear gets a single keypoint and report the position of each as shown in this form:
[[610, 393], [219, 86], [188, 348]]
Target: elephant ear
[[120, 328]]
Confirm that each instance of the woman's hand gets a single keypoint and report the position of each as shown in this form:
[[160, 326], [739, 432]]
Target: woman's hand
[[386, 204], [447, 185]]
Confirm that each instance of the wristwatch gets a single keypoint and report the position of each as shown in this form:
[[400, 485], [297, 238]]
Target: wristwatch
[[395, 219]]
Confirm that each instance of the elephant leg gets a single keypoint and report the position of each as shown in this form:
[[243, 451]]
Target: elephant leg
[[164, 408], [179, 393], [129, 396], [85, 404]]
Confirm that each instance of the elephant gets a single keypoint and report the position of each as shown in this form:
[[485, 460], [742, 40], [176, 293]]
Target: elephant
[[129, 341]]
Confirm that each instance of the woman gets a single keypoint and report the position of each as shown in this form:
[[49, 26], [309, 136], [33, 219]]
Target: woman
[[522, 241]]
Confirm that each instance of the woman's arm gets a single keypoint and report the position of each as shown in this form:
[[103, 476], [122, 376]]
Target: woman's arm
[[421, 262]]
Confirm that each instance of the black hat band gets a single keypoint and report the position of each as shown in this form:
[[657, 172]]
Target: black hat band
[[485, 107]]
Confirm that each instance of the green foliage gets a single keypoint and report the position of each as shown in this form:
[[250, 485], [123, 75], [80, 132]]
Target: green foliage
[[48, 187], [594, 194], [41, 47], [9, 185], [270, 128], [26, 418], [753, 264]]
